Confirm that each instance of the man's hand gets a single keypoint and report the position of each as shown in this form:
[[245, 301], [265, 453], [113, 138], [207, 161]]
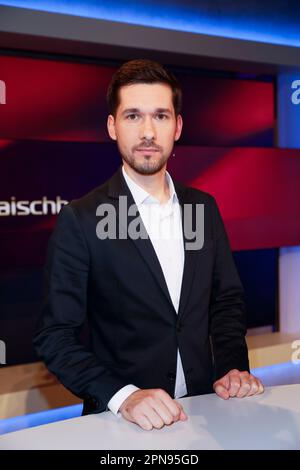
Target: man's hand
[[238, 384], [152, 408]]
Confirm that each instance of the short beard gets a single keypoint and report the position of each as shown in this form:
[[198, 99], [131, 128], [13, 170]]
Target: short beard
[[146, 166]]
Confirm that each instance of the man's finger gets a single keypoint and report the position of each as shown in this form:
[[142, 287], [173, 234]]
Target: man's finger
[[182, 415], [173, 406], [253, 386], [261, 388], [154, 417], [245, 386], [234, 384], [143, 422], [164, 412], [221, 391]]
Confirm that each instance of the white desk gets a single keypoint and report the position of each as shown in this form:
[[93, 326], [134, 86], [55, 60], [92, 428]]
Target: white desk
[[267, 421]]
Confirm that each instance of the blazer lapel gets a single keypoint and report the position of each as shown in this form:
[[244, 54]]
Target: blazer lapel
[[118, 187], [190, 256]]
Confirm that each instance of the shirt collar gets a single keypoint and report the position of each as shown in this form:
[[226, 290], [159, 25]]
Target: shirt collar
[[141, 196]]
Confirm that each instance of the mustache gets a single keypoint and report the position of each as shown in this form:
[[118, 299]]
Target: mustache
[[147, 145]]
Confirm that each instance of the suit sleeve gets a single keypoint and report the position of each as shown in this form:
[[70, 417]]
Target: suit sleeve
[[63, 315], [227, 306]]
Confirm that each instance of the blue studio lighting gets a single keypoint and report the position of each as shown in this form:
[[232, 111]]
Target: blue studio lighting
[[275, 23], [278, 374], [37, 419]]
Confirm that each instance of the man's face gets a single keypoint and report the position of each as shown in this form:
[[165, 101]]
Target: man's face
[[145, 126]]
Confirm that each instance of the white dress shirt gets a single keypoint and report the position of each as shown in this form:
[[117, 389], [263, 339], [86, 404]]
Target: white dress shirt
[[164, 228]]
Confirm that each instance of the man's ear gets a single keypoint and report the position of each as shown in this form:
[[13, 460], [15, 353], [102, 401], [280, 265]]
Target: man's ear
[[111, 127], [179, 124]]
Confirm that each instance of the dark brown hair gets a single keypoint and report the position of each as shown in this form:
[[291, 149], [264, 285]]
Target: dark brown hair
[[142, 71]]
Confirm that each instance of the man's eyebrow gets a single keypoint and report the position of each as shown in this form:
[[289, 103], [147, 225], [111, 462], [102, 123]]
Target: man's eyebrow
[[137, 110], [130, 110], [163, 110]]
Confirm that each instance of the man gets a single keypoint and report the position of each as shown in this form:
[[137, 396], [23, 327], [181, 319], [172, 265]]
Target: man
[[166, 318]]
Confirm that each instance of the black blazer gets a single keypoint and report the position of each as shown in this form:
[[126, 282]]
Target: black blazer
[[119, 286]]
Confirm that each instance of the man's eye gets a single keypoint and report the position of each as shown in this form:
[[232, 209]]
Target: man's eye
[[132, 117], [161, 116]]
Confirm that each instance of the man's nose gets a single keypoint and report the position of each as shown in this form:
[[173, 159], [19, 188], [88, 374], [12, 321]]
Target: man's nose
[[147, 129]]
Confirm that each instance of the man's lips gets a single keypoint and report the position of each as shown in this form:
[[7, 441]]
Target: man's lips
[[147, 150]]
